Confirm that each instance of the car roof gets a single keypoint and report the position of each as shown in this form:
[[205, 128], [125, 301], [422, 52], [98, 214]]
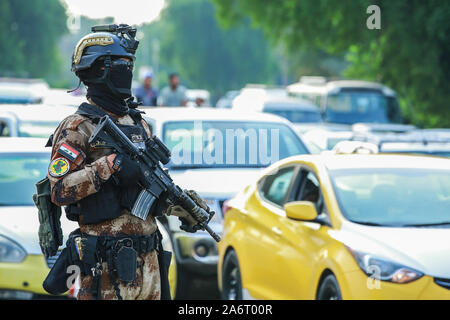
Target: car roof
[[338, 84], [289, 103], [166, 114], [37, 112], [369, 161], [8, 145]]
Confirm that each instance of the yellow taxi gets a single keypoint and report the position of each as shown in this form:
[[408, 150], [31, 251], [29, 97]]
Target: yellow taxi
[[340, 227]]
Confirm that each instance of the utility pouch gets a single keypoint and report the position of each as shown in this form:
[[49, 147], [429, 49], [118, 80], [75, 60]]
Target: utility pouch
[[164, 258], [50, 232], [56, 281], [125, 263]]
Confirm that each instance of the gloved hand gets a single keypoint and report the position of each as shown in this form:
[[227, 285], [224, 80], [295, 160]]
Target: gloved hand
[[199, 201], [128, 171], [188, 223]]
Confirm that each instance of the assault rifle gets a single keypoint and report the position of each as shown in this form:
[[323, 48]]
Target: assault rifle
[[108, 135]]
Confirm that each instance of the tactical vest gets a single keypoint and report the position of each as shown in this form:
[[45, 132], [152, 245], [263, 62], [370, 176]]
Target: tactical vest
[[108, 202]]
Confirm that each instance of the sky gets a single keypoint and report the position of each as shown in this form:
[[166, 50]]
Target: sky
[[134, 12]]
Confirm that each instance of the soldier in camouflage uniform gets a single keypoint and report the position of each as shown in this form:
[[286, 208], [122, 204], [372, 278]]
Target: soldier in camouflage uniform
[[80, 173]]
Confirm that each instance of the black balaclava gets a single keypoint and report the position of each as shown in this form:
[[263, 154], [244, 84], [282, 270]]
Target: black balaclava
[[105, 94]]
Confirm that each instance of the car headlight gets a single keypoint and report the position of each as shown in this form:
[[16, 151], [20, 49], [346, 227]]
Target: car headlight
[[384, 270], [10, 251]]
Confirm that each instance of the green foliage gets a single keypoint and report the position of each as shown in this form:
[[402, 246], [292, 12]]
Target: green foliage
[[411, 52], [29, 31], [206, 56]]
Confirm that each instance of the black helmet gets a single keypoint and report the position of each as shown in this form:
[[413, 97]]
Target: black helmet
[[105, 45], [108, 40]]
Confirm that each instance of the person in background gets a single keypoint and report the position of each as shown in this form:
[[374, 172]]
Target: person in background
[[146, 93], [174, 95]]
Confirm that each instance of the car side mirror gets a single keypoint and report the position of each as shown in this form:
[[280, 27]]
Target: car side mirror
[[301, 210]]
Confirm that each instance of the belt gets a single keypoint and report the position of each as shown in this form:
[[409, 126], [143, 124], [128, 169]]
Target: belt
[[98, 249], [142, 244]]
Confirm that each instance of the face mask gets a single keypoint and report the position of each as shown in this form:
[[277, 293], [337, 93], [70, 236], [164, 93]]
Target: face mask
[[121, 77]]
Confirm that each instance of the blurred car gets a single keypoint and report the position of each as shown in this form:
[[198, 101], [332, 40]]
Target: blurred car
[[350, 101], [38, 121], [227, 99], [324, 139], [430, 141], [193, 136], [22, 91], [298, 111], [60, 97], [340, 227], [198, 98], [326, 135], [23, 268]]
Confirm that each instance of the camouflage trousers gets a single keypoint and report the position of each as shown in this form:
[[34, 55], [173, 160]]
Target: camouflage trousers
[[146, 287]]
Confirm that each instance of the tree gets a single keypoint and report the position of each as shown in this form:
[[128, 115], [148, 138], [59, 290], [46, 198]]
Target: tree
[[206, 56], [410, 52], [29, 32]]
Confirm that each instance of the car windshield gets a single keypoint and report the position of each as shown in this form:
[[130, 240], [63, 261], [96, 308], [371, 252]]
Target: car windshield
[[228, 144], [393, 197], [18, 174], [361, 106], [37, 129], [296, 116]]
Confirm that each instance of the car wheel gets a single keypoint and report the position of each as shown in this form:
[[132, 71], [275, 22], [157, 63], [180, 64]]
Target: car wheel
[[231, 278], [329, 289]]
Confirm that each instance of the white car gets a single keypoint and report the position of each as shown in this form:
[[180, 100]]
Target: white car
[[38, 121], [302, 113], [60, 97], [204, 160], [22, 91], [23, 268]]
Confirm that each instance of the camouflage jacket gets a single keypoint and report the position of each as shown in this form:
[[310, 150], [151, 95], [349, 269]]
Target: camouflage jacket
[[78, 170]]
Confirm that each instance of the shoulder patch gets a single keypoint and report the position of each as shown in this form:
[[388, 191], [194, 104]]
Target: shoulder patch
[[68, 152], [59, 167]]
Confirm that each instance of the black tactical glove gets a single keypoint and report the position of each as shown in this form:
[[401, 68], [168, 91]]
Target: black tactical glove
[[128, 171]]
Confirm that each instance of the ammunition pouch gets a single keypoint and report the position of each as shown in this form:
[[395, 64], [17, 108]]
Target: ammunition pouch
[[50, 232]]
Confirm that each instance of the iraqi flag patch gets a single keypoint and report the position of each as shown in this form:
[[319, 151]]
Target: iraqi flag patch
[[68, 152]]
